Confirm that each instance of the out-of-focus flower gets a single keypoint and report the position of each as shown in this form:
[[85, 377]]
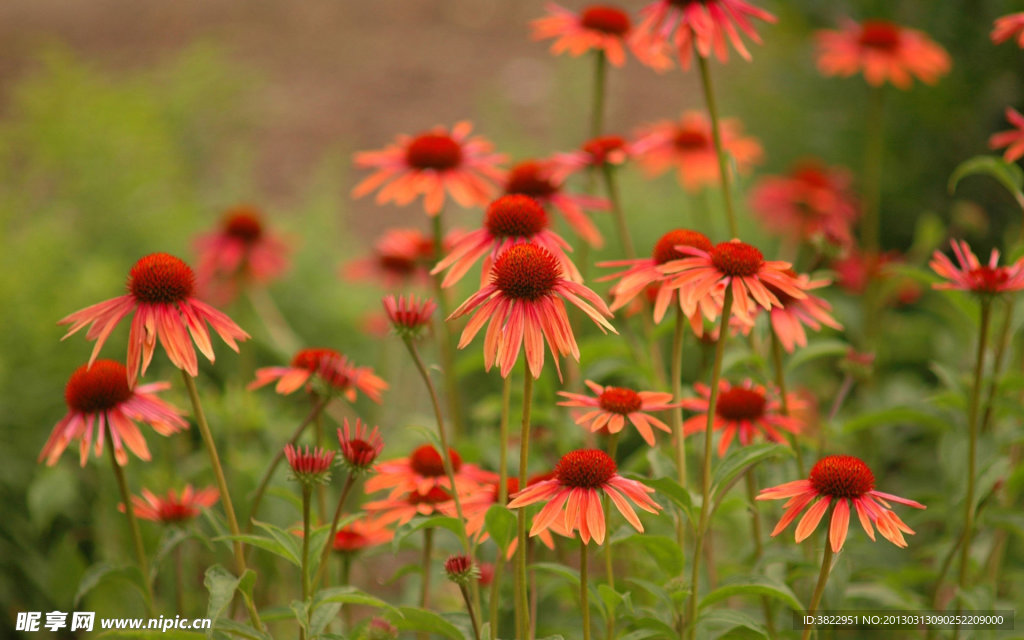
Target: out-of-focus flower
[[524, 305], [612, 406], [409, 316], [359, 448], [160, 299], [580, 479], [240, 253], [542, 181], [687, 146], [509, 220], [423, 470], [603, 28], [361, 534], [972, 276], [403, 508], [812, 203], [173, 508], [789, 319], [100, 402], [310, 466], [1009, 26], [431, 164], [844, 480], [1012, 139], [476, 505], [325, 368], [603, 151], [858, 268], [883, 51], [461, 569], [743, 410], [400, 257], [707, 25]]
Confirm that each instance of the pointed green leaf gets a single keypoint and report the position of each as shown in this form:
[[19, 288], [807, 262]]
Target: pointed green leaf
[[501, 524], [816, 350], [443, 522], [571, 575], [893, 416], [753, 586], [349, 595], [664, 551], [240, 630], [267, 544], [288, 540], [739, 459], [672, 490], [101, 571], [412, 619], [1006, 173], [716, 623], [221, 584]]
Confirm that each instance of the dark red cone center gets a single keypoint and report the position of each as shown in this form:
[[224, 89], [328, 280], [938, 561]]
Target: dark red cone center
[[244, 225], [880, 35], [515, 216], [98, 388], [160, 278], [585, 469], [427, 461], [842, 477], [530, 179], [433, 151], [665, 250], [620, 400], [736, 259], [526, 272], [599, 148], [691, 140], [987, 279], [605, 19], [738, 403]]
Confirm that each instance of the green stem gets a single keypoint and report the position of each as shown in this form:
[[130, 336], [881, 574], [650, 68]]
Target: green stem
[[600, 73], [329, 544], [1002, 347], [428, 548], [972, 445], [780, 382], [524, 454], [321, 492], [705, 506], [608, 172], [472, 613], [345, 578], [499, 569], [222, 486], [133, 525], [179, 579], [445, 339], [584, 595], [318, 407], [873, 155], [826, 568], [755, 530], [609, 563], [716, 136], [307, 495], [676, 417], [499, 561]]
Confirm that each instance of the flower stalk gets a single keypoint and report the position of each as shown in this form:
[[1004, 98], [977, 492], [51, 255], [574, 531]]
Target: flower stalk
[[819, 589], [716, 136], [133, 524], [522, 600]]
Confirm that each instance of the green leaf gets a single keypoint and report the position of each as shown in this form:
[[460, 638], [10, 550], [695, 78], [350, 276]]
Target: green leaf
[[1006, 173], [893, 416], [664, 551], [753, 586], [814, 351], [612, 600], [51, 493], [641, 634], [170, 634], [221, 584], [571, 575], [412, 619], [673, 491], [288, 540], [739, 459], [267, 544], [171, 538], [240, 630], [404, 570], [300, 610], [501, 524], [718, 622], [349, 595], [322, 617], [443, 522], [101, 571]]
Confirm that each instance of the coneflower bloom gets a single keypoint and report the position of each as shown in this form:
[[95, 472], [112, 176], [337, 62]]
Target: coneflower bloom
[[643, 273], [1009, 26], [509, 220], [400, 257], [602, 151], [742, 410], [240, 253], [431, 164], [160, 295], [542, 181], [732, 264], [842, 480], [325, 368], [409, 316], [883, 51], [361, 534], [358, 447], [580, 478], [475, 506], [402, 508], [423, 470], [705, 25], [972, 276], [1012, 139], [603, 28], [173, 508], [101, 403], [523, 304], [310, 466], [687, 146], [611, 407], [789, 319], [461, 569], [812, 203]]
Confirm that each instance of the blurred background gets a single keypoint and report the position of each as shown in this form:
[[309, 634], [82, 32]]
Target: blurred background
[[128, 128]]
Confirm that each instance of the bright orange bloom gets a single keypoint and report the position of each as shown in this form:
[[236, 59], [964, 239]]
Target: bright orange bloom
[[1009, 26], [99, 397], [431, 164], [361, 534], [789, 319], [240, 253], [845, 480], [745, 410], [358, 448], [687, 146], [424, 470], [1012, 139], [580, 478], [321, 366], [702, 24], [400, 257], [310, 466], [883, 51], [598, 27], [612, 406], [812, 203], [476, 504], [607, 150], [172, 508], [542, 181], [987, 280], [509, 220], [403, 508], [524, 306], [644, 273], [160, 289], [409, 316], [731, 264]]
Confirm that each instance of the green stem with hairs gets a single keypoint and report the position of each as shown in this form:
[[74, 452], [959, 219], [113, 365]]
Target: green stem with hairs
[[428, 549], [716, 136], [676, 417], [133, 525], [608, 173], [819, 589], [329, 544], [307, 497], [584, 592], [705, 506], [780, 383], [600, 74], [609, 560], [523, 615], [499, 561], [445, 338]]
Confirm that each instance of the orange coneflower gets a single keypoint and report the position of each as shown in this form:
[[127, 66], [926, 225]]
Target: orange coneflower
[[361, 534], [173, 508], [542, 181], [100, 402], [323, 366], [160, 295], [789, 319], [242, 251], [602, 27], [602, 151], [612, 406], [1009, 26], [1012, 139], [844, 480], [424, 470], [883, 51], [742, 410], [982, 279]]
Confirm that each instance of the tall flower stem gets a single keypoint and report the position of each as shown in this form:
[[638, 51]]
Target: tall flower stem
[[445, 339], [873, 154], [705, 506], [755, 531], [446, 456], [972, 444], [307, 495], [179, 579], [321, 491], [1002, 347], [133, 524], [609, 561], [780, 383], [222, 486], [584, 592], [472, 612], [329, 544], [318, 407], [676, 417], [428, 550], [600, 74], [523, 615], [608, 173], [344, 578], [819, 589], [716, 137], [499, 560]]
